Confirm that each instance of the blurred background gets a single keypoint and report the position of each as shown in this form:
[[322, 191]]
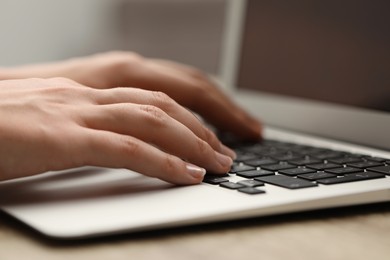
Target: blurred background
[[187, 31]]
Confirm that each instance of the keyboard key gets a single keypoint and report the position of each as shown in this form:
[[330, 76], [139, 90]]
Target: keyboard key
[[286, 182], [259, 150], [296, 171], [305, 161], [376, 159], [231, 185], [365, 164], [316, 176], [251, 190], [254, 173], [323, 166], [251, 183], [343, 170], [287, 156], [310, 150], [214, 180], [278, 167], [328, 155], [382, 169], [260, 162], [360, 176], [270, 152], [241, 167], [345, 160]]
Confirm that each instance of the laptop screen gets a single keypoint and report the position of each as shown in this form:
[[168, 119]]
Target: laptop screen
[[333, 51]]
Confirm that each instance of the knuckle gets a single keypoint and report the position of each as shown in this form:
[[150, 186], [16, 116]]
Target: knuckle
[[115, 53], [170, 165], [197, 73], [118, 64], [163, 100], [123, 54], [154, 115], [202, 146], [210, 136], [124, 60], [130, 147]]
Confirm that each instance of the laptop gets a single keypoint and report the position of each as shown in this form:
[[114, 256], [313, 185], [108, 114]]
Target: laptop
[[315, 72]]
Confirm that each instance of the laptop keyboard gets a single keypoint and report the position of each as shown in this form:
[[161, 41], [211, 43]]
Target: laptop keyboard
[[294, 166]]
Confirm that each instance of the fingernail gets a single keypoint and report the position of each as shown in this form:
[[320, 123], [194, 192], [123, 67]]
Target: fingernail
[[195, 171], [229, 152], [224, 160]]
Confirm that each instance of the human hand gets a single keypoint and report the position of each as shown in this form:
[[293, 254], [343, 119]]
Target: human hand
[[188, 86], [55, 124]]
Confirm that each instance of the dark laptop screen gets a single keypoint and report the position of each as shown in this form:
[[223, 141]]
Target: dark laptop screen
[[334, 50]]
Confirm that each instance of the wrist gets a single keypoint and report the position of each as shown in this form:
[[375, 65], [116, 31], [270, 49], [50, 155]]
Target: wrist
[[33, 71], [7, 73]]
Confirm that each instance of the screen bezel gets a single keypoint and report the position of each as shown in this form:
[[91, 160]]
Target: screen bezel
[[346, 123]]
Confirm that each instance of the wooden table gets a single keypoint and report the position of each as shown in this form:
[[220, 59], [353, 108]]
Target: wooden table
[[351, 233]]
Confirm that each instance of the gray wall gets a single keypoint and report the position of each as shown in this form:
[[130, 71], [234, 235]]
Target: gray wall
[[188, 31]]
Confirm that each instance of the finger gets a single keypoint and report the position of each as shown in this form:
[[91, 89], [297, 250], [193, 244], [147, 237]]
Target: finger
[[192, 88], [112, 150], [153, 125], [227, 116], [187, 69], [168, 105], [247, 127]]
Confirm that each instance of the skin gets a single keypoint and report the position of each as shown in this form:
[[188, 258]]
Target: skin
[[117, 110]]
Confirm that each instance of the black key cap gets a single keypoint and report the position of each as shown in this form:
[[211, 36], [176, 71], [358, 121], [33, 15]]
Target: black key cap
[[254, 173], [382, 169], [328, 155], [345, 160], [305, 161], [310, 150], [241, 167], [287, 156], [270, 152], [251, 190], [251, 183], [259, 150], [376, 159], [286, 182], [231, 185], [296, 171], [214, 180], [343, 170], [323, 166], [316, 176], [278, 167], [260, 162], [365, 164], [360, 176]]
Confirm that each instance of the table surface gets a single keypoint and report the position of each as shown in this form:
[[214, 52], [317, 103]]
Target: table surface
[[361, 232]]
